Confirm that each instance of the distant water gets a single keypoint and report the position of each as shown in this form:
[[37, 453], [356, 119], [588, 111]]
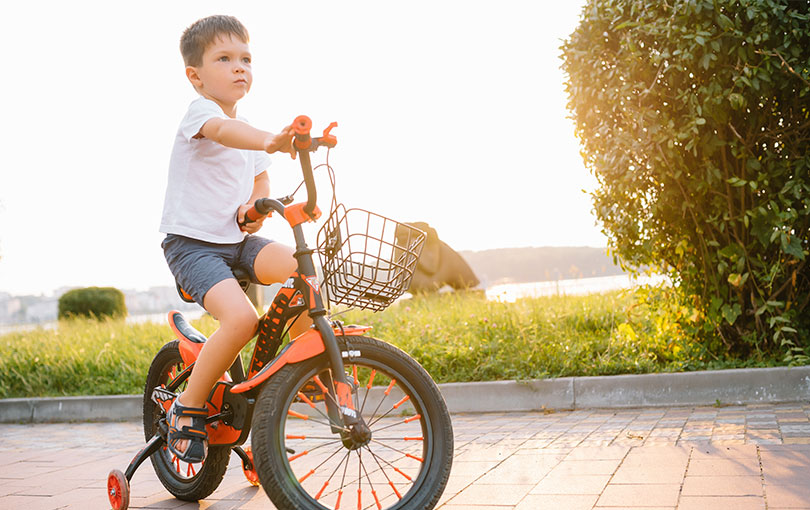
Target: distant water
[[510, 292]]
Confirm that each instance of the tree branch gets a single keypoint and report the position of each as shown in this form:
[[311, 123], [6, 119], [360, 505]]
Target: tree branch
[[784, 63]]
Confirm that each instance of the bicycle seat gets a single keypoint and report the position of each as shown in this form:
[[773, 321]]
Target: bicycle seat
[[181, 326]]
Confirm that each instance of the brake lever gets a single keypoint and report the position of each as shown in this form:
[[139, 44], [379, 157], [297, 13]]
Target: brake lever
[[328, 140]]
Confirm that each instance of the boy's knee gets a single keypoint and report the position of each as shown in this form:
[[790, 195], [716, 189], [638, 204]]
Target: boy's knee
[[275, 263], [244, 320], [250, 321]]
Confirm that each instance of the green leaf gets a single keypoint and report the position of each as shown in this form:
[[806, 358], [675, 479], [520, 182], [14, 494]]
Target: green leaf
[[736, 100], [731, 312], [792, 245], [706, 60], [725, 22], [627, 24]]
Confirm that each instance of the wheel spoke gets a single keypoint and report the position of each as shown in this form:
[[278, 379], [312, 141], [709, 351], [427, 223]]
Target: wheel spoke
[[359, 478], [406, 420], [308, 418], [344, 459], [393, 408], [313, 470], [376, 457], [368, 390], [390, 482], [382, 400], [304, 438], [371, 485], [406, 454], [325, 390], [313, 406], [342, 481], [305, 452]]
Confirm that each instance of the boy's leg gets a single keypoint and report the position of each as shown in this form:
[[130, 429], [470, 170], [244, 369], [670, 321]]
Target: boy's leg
[[274, 264], [238, 321]]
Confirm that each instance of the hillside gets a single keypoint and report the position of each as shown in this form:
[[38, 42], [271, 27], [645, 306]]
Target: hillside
[[516, 265]]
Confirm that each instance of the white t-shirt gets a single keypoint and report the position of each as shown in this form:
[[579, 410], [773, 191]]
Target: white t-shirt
[[207, 181]]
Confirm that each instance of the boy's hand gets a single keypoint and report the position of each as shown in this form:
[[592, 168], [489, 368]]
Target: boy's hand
[[253, 226], [282, 142]]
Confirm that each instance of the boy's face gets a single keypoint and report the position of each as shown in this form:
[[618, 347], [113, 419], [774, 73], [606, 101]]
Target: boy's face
[[225, 75]]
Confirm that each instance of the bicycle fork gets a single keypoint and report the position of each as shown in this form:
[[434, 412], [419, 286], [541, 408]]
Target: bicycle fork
[[340, 402], [337, 392]]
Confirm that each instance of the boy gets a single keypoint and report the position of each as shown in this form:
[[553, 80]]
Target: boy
[[217, 170]]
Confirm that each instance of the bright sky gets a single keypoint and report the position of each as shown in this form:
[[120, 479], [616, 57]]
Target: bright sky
[[449, 112]]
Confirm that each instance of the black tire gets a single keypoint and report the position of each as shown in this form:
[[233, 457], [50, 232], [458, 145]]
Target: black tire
[[189, 482], [300, 462]]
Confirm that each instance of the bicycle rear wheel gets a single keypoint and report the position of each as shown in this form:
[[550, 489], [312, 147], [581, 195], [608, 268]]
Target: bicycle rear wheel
[[302, 464], [189, 482]]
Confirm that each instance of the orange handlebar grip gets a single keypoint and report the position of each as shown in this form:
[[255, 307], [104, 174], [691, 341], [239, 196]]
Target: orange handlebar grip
[[253, 214], [257, 211], [302, 125]]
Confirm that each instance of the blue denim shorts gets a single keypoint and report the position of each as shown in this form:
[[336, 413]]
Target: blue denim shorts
[[198, 265]]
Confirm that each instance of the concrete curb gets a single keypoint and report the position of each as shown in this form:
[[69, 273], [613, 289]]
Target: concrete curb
[[735, 386], [66, 409]]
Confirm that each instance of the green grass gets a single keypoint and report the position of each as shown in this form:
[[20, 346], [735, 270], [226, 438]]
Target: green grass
[[456, 337], [459, 337], [80, 357]]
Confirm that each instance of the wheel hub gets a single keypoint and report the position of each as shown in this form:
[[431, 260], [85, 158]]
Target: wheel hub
[[359, 436]]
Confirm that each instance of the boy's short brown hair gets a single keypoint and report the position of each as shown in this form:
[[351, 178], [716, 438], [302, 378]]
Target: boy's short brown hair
[[204, 31]]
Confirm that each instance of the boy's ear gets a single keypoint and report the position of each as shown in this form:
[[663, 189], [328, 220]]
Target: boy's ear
[[193, 76]]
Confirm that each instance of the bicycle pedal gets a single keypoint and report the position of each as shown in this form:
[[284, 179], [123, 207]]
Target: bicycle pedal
[[161, 395]]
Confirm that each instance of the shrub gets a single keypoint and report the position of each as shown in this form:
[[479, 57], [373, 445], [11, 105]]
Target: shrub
[[693, 116], [92, 302]]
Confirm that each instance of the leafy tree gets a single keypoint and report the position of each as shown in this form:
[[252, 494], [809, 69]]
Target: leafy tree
[[694, 117]]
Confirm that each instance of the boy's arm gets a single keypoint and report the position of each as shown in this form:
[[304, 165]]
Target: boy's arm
[[261, 189], [241, 135]]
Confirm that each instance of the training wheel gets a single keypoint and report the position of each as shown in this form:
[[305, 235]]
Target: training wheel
[[250, 474], [118, 490]]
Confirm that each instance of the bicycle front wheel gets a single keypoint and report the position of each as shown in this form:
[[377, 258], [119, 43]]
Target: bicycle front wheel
[[303, 460]]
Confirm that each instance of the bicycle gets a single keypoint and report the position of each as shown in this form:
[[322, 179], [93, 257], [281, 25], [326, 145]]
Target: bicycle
[[335, 417]]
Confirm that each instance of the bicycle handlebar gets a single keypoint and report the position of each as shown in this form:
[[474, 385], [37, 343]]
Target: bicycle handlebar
[[261, 207], [304, 144]]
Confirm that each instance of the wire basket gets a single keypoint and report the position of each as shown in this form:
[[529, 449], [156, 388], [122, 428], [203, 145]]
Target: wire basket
[[368, 260]]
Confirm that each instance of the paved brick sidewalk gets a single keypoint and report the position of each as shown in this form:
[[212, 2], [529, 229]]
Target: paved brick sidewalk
[[746, 457]]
